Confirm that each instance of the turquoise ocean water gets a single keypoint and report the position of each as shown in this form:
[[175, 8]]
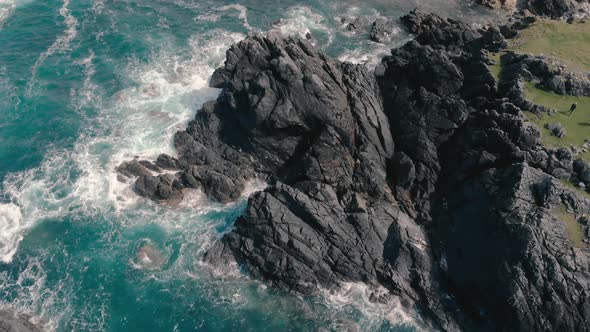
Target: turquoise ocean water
[[85, 85]]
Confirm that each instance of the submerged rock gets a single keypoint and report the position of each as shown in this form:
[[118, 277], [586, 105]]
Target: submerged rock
[[148, 257]]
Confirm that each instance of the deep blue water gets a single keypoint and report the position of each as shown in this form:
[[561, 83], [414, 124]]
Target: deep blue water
[[87, 84]]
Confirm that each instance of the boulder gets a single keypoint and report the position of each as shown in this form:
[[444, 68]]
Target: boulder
[[382, 30], [556, 129]]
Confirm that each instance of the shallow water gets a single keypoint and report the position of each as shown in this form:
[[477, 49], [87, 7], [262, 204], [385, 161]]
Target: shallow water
[[85, 85]]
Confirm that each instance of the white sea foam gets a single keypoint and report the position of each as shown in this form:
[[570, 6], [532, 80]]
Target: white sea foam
[[370, 56], [359, 296], [139, 120], [48, 303], [98, 6], [242, 13], [11, 229], [61, 44], [6, 9], [301, 21], [208, 18], [89, 92]]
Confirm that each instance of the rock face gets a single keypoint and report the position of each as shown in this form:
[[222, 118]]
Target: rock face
[[517, 265], [320, 131], [546, 73], [382, 30], [323, 140], [422, 179], [508, 5], [10, 321], [552, 8]]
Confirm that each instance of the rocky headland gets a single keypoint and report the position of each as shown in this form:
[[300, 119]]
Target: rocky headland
[[422, 178]]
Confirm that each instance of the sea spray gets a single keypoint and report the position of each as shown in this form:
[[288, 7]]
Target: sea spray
[[11, 231]]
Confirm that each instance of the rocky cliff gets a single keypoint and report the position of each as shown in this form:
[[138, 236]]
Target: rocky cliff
[[555, 9], [421, 178]]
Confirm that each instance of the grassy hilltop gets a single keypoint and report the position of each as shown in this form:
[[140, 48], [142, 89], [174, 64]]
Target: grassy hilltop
[[569, 44]]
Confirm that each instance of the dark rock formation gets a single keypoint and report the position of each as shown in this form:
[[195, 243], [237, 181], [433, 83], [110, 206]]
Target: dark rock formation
[[329, 216], [555, 9], [568, 84], [546, 73], [551, 8], [508, 5], [556, 129], [456, 219], [382, 30], [509, 256], [11, 321]]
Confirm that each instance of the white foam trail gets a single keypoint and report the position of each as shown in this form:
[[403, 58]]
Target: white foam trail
[[98, 6], [61, 44], [359, 296], [208, 18], [7, 7], [11, 229], [89, 92], [242, 13], [301, 21], [9, 96]]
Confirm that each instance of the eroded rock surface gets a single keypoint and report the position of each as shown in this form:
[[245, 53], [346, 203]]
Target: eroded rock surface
[[382, 30], [11, 321], [422, 178]]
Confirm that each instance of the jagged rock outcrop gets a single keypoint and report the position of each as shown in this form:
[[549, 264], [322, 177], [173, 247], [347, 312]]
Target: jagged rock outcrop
[[509, 255], [422, 179], [487, 186], [548, 74], [329, 216], [382, 30], [554, 8], [508, 5]]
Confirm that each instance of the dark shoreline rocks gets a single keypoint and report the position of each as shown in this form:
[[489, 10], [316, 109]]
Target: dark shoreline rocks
[[552, 9], [422, 178], [11, 321], [382, 30]]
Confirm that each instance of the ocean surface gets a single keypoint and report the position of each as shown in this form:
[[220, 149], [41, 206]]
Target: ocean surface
[[87, 84]]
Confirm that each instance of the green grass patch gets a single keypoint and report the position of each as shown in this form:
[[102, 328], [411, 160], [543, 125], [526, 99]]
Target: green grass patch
[[496, 69], [569, 43], [578, 190], [577, 125], [574, 229]]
